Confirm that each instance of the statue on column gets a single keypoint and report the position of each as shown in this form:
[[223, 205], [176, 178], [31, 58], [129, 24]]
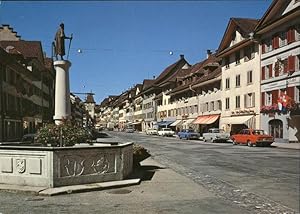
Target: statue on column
[[59, 42]]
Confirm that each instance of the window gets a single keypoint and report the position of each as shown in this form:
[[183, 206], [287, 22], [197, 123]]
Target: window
[[219, 104], [237, 102], [249, 53], [227, 62], [249, 77], [268, 98], [297, 98], [212, 106], [283, 39], [249, 100], [206, 107], [297, 28], [227, 103], [237, 57], [238, 80], [196, 108], [268, 45], [297, 68], [227, 84]]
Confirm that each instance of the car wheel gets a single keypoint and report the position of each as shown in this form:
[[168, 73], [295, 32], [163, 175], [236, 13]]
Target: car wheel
[[204, 139], [249, 143], [234, 142]]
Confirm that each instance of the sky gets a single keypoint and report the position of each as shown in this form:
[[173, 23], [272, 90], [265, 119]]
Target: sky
[[124, 42]]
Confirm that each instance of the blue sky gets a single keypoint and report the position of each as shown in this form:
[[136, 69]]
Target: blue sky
[[125, 42]]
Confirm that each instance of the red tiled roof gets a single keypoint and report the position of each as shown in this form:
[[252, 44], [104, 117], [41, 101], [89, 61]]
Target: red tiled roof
[[246, 25], [170, 72], [29, 49], [147, 83]]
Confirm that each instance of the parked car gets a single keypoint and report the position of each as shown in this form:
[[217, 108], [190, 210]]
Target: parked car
[[216, 135], [252, 137], [129, 130], [151, 132], [28, 139], [188, 134], [166, 132]]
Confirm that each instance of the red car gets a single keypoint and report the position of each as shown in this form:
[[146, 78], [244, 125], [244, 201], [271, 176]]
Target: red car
[[252, 137]]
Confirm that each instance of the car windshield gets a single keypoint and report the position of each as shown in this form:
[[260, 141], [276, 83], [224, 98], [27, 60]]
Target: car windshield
[[258, 132], [167, 129]]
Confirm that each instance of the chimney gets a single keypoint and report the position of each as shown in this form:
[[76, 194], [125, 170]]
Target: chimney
[[208, 53], [181, 56]]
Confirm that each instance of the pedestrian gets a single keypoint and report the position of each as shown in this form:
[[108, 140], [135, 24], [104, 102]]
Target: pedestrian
[[59, 43]]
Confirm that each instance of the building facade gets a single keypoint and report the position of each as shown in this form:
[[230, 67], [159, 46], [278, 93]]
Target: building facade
[[279, 34]]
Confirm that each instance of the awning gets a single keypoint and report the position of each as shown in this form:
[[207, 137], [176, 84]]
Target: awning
[[188, 121], [248, 120], [165, 123], [177, 122], [135, 123], [207, 119]]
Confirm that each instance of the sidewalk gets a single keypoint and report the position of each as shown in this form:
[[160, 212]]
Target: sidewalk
[[161, 191], [287, 145]]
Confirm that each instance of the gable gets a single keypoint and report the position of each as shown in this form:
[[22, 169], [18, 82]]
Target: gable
[[277, 9], [238, 29]]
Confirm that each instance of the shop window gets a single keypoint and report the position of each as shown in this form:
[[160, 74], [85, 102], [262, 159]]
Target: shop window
[[276, 128]]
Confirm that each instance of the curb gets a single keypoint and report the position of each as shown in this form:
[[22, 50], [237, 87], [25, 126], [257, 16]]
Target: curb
[[88, 187], [69, 189]]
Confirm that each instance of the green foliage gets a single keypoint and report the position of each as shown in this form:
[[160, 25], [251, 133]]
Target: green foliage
[[53, 134]]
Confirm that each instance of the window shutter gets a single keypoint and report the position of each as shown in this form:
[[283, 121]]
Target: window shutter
[[291, 64], [274, 96], [263, 98], [291, 36], [253, 99], [245, 100], [263, 48], [270, 70], [276, 42], [263, 75], [291, 92]]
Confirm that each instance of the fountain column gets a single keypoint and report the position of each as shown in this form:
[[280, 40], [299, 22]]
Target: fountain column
[[62, 91]]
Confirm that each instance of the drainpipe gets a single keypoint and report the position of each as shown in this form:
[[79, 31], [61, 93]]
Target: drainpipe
[[2, 104]]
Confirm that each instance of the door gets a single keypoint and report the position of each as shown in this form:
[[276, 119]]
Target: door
[[276, 128]]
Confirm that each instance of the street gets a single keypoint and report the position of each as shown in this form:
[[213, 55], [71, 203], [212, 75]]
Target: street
[[264, 173], [186, 176]]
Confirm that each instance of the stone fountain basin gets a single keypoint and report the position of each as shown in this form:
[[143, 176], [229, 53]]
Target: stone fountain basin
[[63, 166]]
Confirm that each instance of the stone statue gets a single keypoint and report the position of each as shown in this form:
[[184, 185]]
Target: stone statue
[[59, 43]]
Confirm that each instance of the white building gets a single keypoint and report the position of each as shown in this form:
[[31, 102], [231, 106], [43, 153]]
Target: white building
[[279, 33], [240, 76]]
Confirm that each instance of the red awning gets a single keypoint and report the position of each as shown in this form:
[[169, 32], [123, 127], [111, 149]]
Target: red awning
[[207, 119]]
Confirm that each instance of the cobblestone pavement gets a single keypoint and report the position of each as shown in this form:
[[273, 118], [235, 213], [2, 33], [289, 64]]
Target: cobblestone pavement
[[257, 179]]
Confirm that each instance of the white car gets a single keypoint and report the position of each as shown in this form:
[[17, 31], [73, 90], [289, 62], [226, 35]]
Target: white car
[[166, 132], [216, 135], [151, 132]]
